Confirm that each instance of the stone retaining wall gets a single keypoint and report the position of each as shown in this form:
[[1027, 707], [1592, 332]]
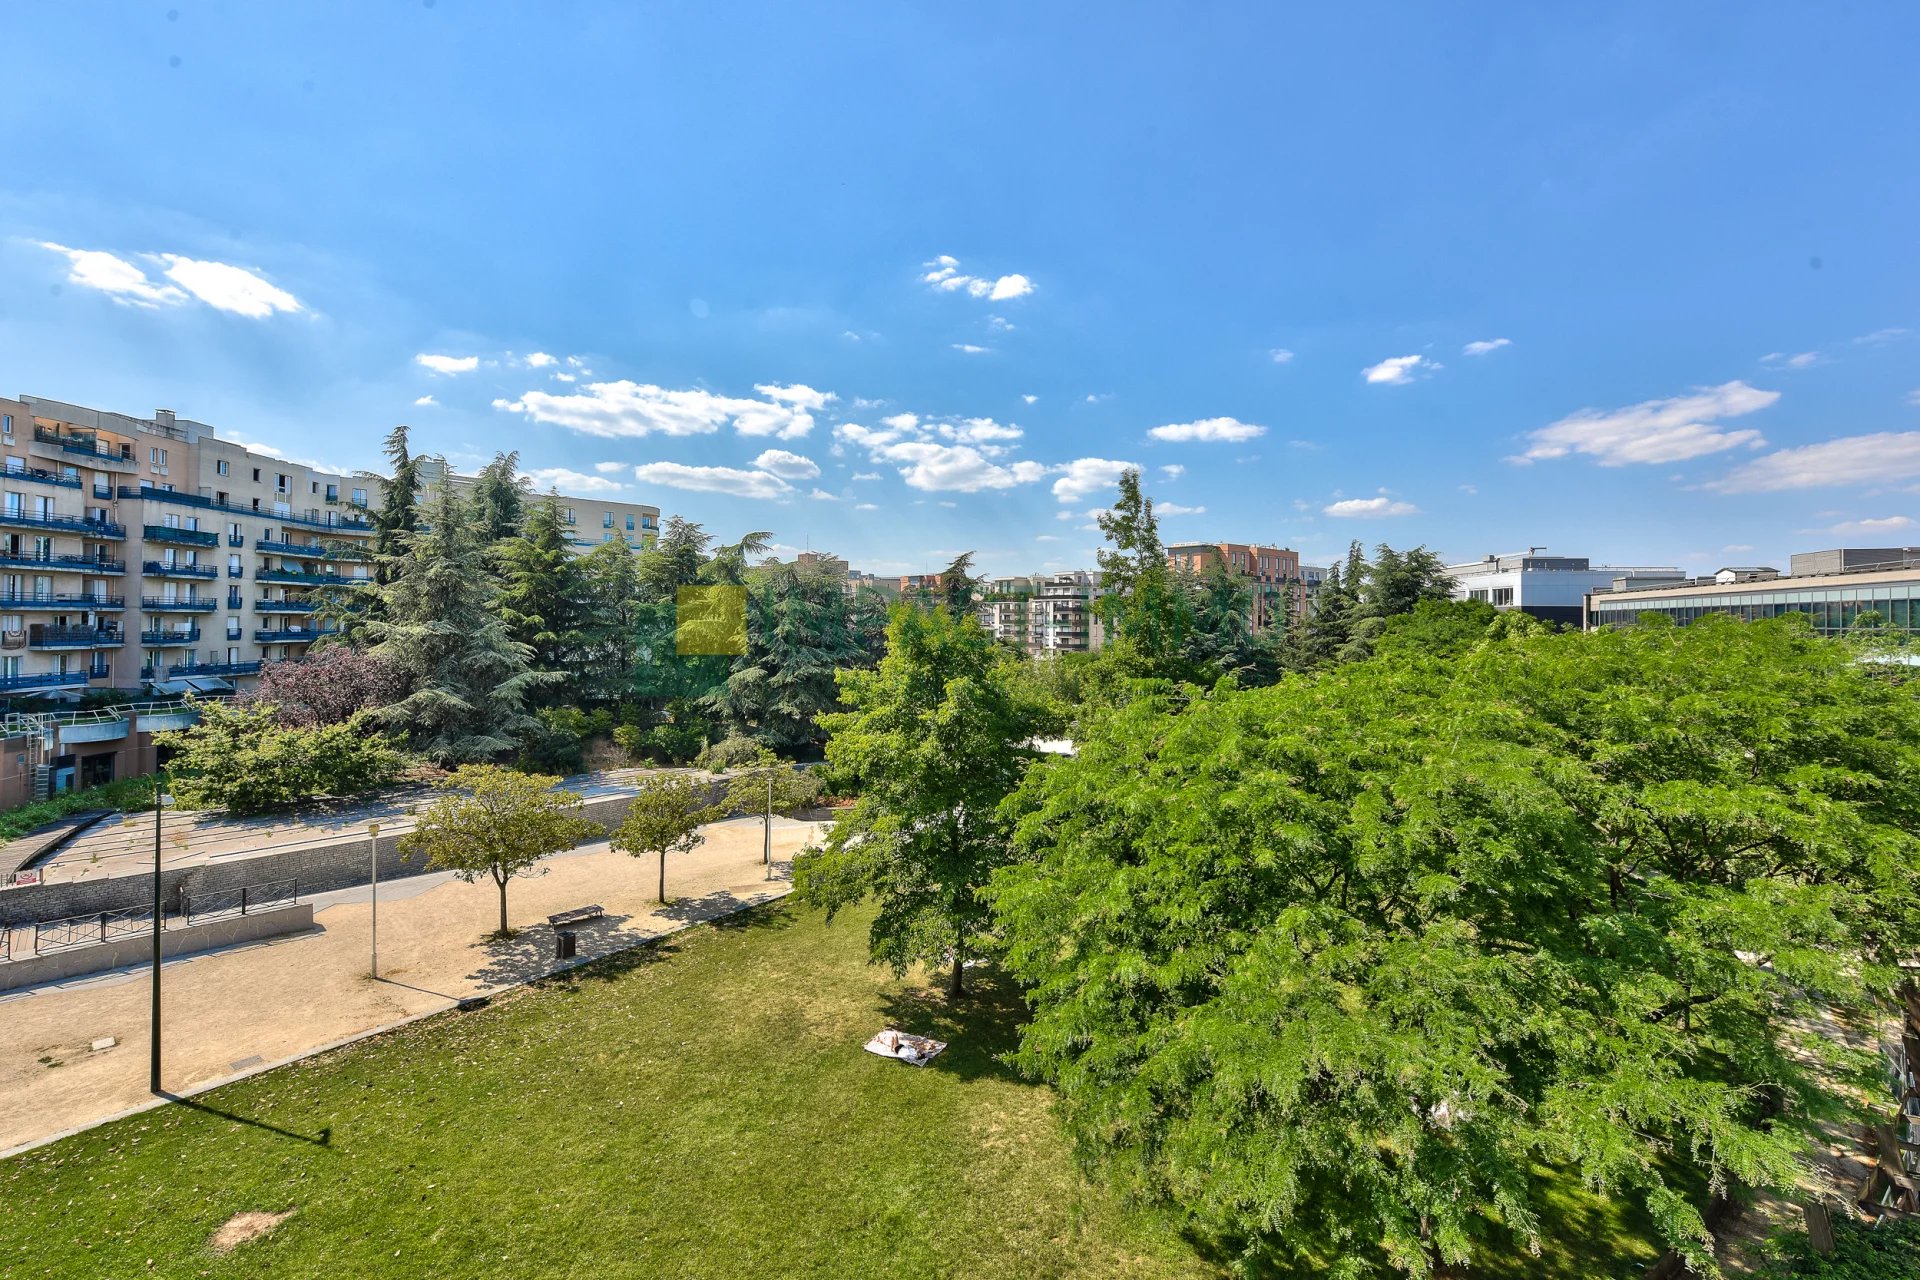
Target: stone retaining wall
[[340, 864], [271, 922]]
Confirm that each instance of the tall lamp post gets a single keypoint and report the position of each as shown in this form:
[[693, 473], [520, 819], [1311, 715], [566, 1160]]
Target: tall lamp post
[[160, 801], [373, 867]]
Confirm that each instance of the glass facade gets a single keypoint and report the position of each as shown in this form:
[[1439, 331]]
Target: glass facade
[[1831, 607]]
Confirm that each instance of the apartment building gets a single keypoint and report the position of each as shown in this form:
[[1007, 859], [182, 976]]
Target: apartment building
[[1273, 571], [1003, 608], [589, 521], [1832, 589], [1062, 617]]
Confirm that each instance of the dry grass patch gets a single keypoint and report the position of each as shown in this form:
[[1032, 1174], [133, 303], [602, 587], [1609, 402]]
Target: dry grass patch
[[242, 1227]]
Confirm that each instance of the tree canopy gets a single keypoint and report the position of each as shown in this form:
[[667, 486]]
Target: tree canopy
[[1328, 967]]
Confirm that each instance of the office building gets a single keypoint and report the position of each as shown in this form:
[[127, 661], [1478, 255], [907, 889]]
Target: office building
[[1832, 589], [1273, 571], [1551, 588]]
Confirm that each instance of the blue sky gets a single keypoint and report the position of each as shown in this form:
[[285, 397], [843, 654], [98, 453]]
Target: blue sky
[[1632, 281]]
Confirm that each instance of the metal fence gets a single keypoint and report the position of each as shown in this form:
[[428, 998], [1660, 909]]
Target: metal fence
[[217, 904], [84, 931]]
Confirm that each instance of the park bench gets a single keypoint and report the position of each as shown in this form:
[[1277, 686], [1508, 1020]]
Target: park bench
[[576, 915]]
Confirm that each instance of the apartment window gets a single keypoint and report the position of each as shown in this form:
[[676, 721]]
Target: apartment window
[[6, 424], [233, 531], [606, 519], [1502, 597], [282, 483], [313, 486], [359, 497], [629, 524], [223, 467], [256, 475], [158, 457], [569, 515], [333, 493]]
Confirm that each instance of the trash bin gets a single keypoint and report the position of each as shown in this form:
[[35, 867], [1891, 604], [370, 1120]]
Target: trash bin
[[565, 943]]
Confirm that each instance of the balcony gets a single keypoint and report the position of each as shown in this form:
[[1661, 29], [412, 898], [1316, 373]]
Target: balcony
[[17, 519], [64, 564], [42, 680], [166, 637], [184, 537], [37, 475], [332, 521], [284, 606], [161, 569], [310, 550], [236, 540], [214, 669], [306, 579], [305, 635], [88, 447], [182, 604], [62, 600], [41, 636]]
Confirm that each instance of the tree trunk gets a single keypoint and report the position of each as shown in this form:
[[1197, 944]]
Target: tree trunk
[[956, 980], [503, 908], [663, 877]]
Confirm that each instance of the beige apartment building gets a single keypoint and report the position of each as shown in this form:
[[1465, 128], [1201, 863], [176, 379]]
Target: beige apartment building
[[589, 521]]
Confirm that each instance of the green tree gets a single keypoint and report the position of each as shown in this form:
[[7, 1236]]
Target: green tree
[[1148, 616], [542, 601], [799, 636], [398, 517], [932, 742], [1330, 968], [243, 759], [673, 561], [500, 498], [496, 823], [467, 679], [1395, 582], [610, 582], [959, 584], [666, 816], [768, 786]]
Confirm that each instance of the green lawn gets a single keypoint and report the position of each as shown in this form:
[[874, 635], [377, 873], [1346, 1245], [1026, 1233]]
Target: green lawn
[[702, 1109]]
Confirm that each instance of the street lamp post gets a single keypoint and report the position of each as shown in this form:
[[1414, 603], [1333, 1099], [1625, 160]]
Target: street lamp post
[[160, 800], [766, 829], [373, 865]]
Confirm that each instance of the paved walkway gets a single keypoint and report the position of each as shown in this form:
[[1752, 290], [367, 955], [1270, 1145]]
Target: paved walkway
[[230, 1011]]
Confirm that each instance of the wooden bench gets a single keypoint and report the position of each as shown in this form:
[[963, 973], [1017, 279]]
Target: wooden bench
[[576, 915]]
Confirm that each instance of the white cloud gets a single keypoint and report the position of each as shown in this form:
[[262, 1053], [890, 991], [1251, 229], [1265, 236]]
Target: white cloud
[[1280, 355], [609, 468], [970, 349], [1879, 336], [1869, 459], [1000, 324], [947, 277], [730, 480], [1214, 430], [577, 363], [1469, 489], [426, 400], [228, 288], [614, 410], [868, 475], [956, 468], [980, 431], [1046, 537], [1350, 508], [448, 365], [1098, 397], [1175, 509], [821, 495], [114, 276], [865, 506], [1398, 370], [540, 360], [1084, 477], [1485, 346], [788, 466], [564, 377], [1871, 528], [545, 478], [1173, 471], [1030, 399], [1656, 431], [1781, 360]]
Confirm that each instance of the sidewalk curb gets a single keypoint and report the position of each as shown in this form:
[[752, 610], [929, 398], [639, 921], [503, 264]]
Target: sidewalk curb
[[477, 1001]]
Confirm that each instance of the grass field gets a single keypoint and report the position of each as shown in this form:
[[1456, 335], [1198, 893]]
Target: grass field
[[700, 1109]]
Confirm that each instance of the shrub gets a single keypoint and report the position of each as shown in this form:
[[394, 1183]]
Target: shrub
[[328, 687], [729, 753], [1889, 1251], [125, 794], [243, 760]]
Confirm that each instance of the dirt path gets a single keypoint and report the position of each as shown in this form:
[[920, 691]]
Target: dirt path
[[228, 1011]]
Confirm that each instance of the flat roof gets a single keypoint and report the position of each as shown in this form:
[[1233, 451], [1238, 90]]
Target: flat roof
[[1709, 587]]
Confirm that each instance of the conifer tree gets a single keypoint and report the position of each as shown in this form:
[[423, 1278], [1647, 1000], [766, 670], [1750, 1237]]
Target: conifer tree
[[542, 599], [500, 498]]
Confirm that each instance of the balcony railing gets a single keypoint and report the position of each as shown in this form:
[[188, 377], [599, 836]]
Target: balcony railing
[[332, 520], [161, 569], [215, 668], [38, 475], [64, 524], [60, 600], [42, 680], [66, 564], [284, 606], [306, 579], [185, 537], [42, 636], [180, 604], [310, 550], [305, 636], [165, 637], [85, 446]]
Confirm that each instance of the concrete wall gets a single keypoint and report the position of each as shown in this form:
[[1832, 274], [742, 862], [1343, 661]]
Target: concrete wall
[[271, 922], [318, 869]]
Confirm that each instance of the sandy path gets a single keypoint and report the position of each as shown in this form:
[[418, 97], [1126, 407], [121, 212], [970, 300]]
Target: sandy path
[[229, 1010]]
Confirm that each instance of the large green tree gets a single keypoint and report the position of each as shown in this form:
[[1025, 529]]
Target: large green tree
[[799, 636], [1331, 968], [398, 515], [665, 817], [542, 599], [467, 679], [500, 498], [1147, 614], [931, 742]]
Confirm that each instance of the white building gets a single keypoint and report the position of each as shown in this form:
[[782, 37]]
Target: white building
[[1551, 588]]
